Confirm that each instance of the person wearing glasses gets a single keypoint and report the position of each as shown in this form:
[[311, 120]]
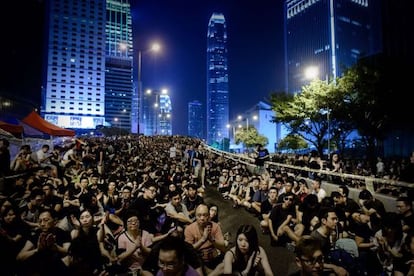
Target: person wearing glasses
[[132, 244], [171, 261], [283, 225], [309, 257], [148, 208]]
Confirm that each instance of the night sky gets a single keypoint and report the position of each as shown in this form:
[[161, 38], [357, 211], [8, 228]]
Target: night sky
[[255, 49]]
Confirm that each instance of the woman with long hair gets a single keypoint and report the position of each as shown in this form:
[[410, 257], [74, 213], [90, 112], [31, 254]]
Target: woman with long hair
[[247, 257]]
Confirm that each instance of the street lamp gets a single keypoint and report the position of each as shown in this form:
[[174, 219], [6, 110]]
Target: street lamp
[[234, 131], [155, 48], [240, 117]]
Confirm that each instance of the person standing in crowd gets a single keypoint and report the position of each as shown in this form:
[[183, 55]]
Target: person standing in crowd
[[262, 155], [206, 237]]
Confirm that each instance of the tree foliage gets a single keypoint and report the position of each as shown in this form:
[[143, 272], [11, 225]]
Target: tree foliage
[[330, 111], [250, 137], [292, 142]]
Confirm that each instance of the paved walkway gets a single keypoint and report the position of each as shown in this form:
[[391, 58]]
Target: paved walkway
[[281, 259]]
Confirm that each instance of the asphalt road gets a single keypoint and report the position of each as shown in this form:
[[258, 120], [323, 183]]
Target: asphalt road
[[280, 258]]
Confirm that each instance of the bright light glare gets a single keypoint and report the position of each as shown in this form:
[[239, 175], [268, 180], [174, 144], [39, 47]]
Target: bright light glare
[[155, 47], [311, 72]]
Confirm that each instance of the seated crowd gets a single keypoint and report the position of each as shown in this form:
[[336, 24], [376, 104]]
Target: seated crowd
[[135, 206]]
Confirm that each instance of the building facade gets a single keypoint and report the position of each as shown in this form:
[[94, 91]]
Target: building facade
[[88, 73], [196, 119], [217, 79], [328, 35], [118, 64]]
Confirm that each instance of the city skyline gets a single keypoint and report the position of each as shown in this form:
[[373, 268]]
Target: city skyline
[[255, 42], [181, 28]]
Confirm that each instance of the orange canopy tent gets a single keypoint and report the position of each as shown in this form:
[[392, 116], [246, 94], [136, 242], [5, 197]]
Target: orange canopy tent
[[16, 130], [35, 121]]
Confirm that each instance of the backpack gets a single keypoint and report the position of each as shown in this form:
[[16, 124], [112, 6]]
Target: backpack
[[341, 257]]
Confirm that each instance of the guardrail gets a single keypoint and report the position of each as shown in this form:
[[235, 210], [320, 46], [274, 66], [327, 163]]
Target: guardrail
[[373, 184]]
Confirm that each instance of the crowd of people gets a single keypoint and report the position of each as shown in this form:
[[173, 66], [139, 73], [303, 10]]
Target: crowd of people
[[134, 205]]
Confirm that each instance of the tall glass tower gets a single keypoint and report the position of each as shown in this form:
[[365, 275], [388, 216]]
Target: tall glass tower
[[118, 64], [330, 35], [217, 79], [196, 119]]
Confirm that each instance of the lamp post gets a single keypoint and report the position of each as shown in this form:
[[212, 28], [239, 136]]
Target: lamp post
[[155, 48], [233, 133]]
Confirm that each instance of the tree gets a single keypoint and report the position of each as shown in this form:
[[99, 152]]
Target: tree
[[306, 114], [250, 137], [292, 142], [365, 104]]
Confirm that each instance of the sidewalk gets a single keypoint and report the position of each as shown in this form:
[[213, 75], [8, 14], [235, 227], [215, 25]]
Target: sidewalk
[[281, 259]]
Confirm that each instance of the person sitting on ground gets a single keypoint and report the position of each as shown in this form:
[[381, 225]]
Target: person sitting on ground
[[404, 266], [176, 210], [266, 207], [328, 225], [171, 260], [42, 253], [309, 257], [191, 257], [247, 257], [260, 196], [206, 237], [283, 224], [192, 199]]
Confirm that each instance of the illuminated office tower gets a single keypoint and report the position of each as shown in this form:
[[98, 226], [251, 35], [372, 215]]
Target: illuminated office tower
[[73, 94], [89, 65], [328, 35], [217, 79], [196, 119], [118, 65], [164, 115]]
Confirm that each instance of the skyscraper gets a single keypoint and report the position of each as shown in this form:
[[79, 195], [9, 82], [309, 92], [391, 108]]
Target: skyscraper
[[196, 119], [118, 63], [73, 93], [329, 35], [88, 79], [217, 79]]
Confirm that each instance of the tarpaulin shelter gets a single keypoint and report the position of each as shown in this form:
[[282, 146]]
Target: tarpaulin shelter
[[35, 121], [16, 130]]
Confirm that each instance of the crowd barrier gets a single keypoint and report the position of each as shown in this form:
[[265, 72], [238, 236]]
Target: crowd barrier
[[371, 183]]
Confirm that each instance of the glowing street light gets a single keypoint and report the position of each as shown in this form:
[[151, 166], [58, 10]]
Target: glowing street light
[[154, 48]]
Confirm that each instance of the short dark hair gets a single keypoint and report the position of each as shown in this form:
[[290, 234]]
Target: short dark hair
[[365, 195], [307, 245], [174, 193], [345, 190], [172, 243]]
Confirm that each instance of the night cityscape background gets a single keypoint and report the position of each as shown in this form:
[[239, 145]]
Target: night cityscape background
[[257, 47]]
